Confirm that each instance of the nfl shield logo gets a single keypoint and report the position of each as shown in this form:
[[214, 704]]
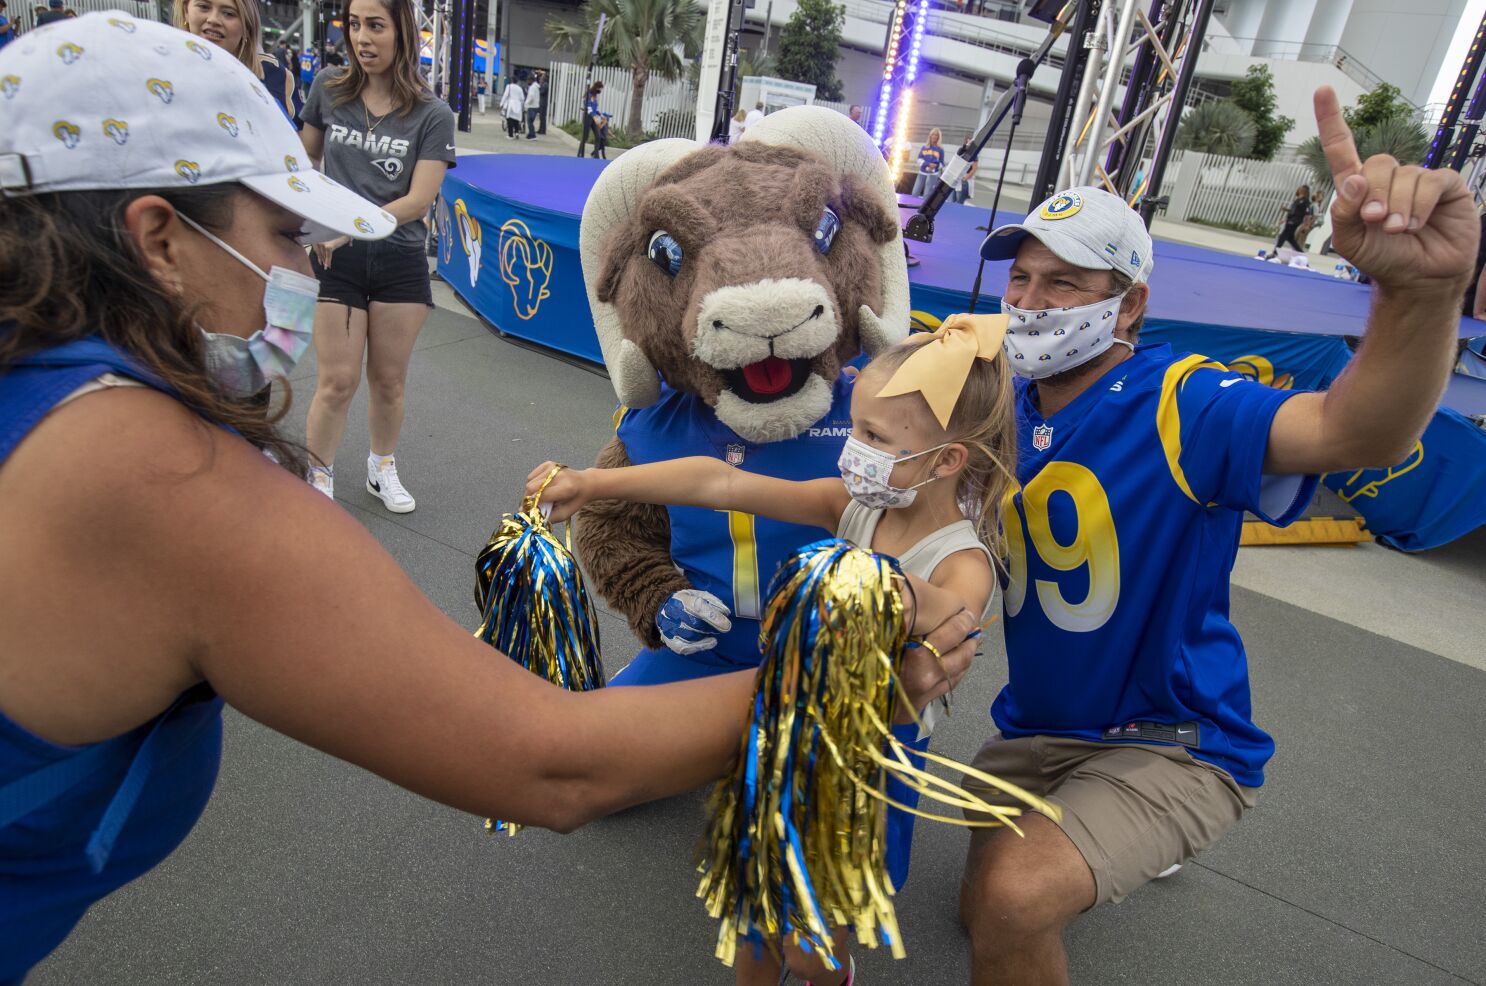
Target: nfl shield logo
[[735, 455], [1042, 437]]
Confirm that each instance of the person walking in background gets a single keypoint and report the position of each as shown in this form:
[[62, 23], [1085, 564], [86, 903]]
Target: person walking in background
[[7, 27], [481, 93], [513, 106], [542, 102], [55, 12], [1295, 214], [533, 104], [930, 162], [966, 189], [374, 126], [233, 26], [855, 114], [754, 115], [735, 126], [1312, 217], [594, 122]]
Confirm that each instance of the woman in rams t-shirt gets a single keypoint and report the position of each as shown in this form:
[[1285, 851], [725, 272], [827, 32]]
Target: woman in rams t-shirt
[[374, 126]]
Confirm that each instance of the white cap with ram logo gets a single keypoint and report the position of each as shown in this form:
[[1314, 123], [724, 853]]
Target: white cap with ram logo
[[1088, 227], [109, 100]]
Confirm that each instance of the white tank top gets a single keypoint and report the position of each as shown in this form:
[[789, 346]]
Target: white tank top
[[859, 523]]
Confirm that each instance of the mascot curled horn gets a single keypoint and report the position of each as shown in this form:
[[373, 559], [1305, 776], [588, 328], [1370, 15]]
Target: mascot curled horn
[[730, 286]]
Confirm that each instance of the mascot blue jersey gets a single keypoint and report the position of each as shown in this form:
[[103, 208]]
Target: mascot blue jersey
[[734, 555], [1121, 538]]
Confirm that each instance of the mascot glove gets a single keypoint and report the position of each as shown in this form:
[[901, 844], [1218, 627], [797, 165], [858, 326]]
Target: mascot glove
[[691, 619]]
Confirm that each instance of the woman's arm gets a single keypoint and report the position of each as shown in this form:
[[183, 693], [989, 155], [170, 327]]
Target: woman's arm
[[696, 481], [234, 572], [428, 176], [313, 139]]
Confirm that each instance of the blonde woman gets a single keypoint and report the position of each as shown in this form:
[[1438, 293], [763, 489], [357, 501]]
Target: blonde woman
[[374, 126], [233, 26], [930, 161]]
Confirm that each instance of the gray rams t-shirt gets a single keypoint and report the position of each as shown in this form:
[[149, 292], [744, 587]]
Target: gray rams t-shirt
[[379, 165]]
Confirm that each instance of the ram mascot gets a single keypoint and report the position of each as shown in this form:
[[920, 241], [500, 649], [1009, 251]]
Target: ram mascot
[[730, 287]]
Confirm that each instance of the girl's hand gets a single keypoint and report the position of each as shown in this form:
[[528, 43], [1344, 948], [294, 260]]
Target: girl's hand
[[568, 492], [324, 250]]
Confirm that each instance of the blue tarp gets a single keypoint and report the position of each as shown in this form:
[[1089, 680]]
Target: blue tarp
[[518, 215]]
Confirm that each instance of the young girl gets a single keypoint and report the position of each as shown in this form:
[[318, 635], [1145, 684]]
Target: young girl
[[376, 127], [931, 453]]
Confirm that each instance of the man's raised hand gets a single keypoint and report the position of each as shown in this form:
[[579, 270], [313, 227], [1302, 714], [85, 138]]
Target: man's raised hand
[[1404, 226]]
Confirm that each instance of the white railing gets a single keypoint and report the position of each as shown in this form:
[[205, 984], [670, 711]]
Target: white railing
[[668, 109], [1217, 189], [23, 14]]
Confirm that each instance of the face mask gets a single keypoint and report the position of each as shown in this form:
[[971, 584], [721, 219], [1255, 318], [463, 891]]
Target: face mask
[[1041, 343], [866, 471], [245, 366]]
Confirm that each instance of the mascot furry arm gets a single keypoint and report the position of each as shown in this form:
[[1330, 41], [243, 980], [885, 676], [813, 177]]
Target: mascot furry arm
[[745, 276]]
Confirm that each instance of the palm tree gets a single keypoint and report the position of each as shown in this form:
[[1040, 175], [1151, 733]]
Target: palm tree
[[649, 37], [1402, 137], [1218, 127]]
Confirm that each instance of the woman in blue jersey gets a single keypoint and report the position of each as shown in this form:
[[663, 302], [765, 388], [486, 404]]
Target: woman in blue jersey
[[234, 25], [594, 121], [930, 161]]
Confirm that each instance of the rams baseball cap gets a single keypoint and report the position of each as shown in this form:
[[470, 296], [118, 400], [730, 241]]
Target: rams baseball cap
[[1086, 226], [109, 100]]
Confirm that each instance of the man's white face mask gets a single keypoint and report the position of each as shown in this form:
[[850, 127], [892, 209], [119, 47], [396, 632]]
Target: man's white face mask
[[1040, 343]]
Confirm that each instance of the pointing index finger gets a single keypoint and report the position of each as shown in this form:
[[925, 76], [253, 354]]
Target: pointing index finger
[[1336, 137]]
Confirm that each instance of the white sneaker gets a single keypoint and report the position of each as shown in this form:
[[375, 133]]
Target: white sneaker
[[382, 483], [322, 478]]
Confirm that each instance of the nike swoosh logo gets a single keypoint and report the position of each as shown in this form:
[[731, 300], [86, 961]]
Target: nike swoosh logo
[[1230, 383], [449, 147]]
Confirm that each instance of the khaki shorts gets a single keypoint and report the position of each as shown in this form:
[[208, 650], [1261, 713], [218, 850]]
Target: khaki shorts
[[1132, 809]]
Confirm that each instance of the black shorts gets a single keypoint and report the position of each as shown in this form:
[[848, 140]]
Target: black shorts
[[364, 271]]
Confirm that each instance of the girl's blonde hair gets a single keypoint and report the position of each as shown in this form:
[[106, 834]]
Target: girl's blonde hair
[[984, 421], [408, 85], [250, 48], [936, 136]]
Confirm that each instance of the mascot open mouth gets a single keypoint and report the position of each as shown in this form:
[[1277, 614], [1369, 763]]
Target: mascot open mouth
[[769, 379]]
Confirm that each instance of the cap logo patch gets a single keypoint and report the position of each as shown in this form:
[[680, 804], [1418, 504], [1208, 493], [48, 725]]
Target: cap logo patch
[[189, 170], [227, 123], [363, 226], [298, 185], [116, 129], [122, 25], [69, 52], [67, 133], [161, 88], [200, 49], [10, 85], [1061, 206], [1134, 260], [291, 163]]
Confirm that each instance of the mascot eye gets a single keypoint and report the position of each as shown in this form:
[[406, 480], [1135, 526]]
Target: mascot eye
[[665, 252], [826, 230]]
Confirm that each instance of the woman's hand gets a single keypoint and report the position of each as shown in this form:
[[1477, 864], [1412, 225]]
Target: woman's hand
[[568, 492], [324, 250]]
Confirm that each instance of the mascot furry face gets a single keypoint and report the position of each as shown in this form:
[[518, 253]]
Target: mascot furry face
[[747, 275], [742, 278]]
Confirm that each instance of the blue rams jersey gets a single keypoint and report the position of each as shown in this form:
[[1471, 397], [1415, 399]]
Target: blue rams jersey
[[734, 555], [1121, 538]]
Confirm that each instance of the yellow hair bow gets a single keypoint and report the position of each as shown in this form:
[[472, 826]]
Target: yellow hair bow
[[940, 367]]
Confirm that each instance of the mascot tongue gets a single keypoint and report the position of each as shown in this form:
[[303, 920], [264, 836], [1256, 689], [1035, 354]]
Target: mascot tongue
[[768, 376]]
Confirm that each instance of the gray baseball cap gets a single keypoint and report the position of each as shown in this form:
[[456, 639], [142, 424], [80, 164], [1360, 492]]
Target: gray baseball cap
[[1086, 226]]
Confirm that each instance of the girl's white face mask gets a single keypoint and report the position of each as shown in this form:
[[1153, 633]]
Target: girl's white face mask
[[245, 366], [867, 473], [1040, 343]]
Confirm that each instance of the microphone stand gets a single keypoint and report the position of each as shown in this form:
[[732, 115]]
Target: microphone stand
[[1018, 103], [921, 224]]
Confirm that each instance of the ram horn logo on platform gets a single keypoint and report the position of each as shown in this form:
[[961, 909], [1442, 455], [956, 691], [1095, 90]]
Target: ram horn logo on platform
[[472, 239], [525, 264]]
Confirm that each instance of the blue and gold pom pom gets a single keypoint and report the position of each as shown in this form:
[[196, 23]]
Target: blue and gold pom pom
[[797, 840], [534, 606]]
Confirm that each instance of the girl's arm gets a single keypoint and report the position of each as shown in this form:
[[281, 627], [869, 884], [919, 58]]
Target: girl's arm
[[694, 482]]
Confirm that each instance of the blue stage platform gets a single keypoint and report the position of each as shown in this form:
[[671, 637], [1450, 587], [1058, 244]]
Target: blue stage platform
[[508, 244]]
